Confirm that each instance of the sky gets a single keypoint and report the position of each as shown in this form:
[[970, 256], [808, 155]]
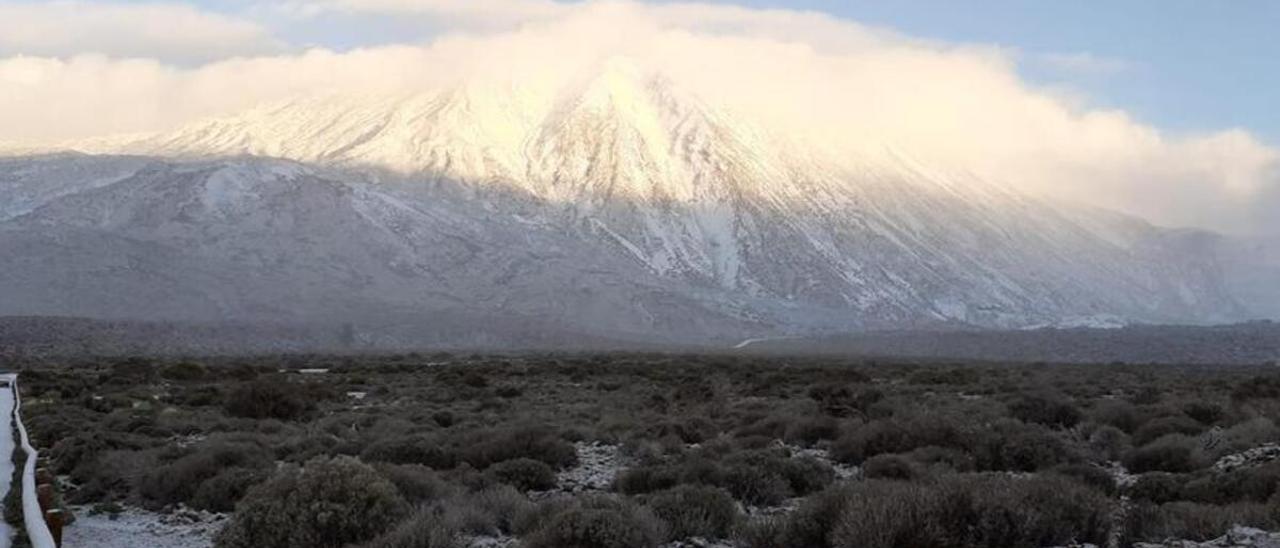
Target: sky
[[1161, 108]]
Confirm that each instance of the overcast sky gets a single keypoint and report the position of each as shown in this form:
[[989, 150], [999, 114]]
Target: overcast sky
[[1163, 108]]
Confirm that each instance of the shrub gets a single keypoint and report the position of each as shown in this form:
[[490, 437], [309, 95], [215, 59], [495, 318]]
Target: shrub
[[1109, 443], [886, 515], [646, 479], [1017, 447], [329, 503], [599, 522], [876, 437], [695, 511], [989, 511], [267, 398], [424, 529], [1171, 453], [415, 482], [1117, 413], [949, 460], [806, 475], [1205, 413], [1089, 475], [1048, 410], [183, 371], [1042, 511], [1158, 428], [415, 449], [134, 370], [524, 474], [891, 467], [756, 485], [1158, 487], [444, 419], [1254, 484], [1192, 521], [221, 492], [112, 475], [519, 442], [836, 401], [179, 481], [492, 511], [949, 376], [808, 431]]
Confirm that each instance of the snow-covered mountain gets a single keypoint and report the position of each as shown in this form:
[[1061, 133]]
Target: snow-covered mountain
[[619, 206]]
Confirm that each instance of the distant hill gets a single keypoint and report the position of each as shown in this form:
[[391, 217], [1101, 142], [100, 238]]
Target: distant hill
[[1240, 344]]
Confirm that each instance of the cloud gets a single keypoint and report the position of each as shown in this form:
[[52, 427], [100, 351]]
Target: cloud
[[1083, 64], [852, 90], [490, 11], [171, 31]]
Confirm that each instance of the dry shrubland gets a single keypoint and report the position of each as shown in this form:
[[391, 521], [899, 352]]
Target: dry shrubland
[[417, 450]]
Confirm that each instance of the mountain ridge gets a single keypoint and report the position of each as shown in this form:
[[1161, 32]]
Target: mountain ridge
[[623, 205]]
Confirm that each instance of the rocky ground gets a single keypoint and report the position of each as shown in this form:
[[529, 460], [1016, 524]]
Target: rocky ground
[[1238, 537], [136, 528]]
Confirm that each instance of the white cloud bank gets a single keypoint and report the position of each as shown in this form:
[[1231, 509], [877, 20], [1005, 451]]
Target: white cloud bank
[[851, 87], [171, 31]]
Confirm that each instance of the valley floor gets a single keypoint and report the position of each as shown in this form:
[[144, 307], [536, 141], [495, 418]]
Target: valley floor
[[649, 451]]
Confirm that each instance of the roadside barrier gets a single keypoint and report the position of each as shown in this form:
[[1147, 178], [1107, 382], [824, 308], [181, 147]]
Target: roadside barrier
[[40, 516]]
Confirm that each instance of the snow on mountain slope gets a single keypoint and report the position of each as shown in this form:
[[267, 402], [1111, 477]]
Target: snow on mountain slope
[[619, 204]]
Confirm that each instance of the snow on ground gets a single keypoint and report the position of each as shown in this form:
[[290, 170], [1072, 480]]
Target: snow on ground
[[598, 465], [136, 528], [843, 471], [6, 463], [1237, 537], [1248, 459], [489, 542]]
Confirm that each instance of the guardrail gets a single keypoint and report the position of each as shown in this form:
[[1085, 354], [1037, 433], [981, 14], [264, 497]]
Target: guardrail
[[36, 519]]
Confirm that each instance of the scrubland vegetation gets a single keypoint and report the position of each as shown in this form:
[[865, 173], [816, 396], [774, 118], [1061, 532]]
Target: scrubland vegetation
[[419, 451]]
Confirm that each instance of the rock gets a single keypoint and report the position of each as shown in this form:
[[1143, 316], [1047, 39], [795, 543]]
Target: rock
[[1248, 459], [1237, 537]]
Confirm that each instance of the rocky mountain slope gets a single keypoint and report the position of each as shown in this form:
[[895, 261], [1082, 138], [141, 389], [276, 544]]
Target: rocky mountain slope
[[619, 207]]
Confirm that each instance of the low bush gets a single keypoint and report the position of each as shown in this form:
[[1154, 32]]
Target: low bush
[[492, 511], [524, 474], [598, 522], [1193, 521], [1158, 487], [1252, 484], [1171, 453], [268, 398], [487, 448], [1017, 447], [988, 511], [418, 484], [424, 529], [808, 431], [180, 480], [756, 485], [417, 449], [695, 511], [891, 467], [183, 371], [1045, 409], [1109, 443], [328, 503], [1163, 426], [221, 492]]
